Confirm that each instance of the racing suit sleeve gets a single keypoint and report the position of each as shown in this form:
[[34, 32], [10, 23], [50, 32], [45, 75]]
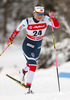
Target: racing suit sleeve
[[55, 22], [21, 26]]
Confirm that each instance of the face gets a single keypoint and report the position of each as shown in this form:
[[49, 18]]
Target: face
[[38, 15]]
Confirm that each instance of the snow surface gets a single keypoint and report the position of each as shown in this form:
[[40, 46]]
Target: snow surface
[[44, 84]]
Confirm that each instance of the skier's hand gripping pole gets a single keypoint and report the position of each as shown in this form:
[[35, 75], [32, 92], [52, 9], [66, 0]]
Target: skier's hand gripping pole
[[55, 52]]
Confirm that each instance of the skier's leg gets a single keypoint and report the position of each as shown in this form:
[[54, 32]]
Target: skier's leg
[[23, 72], [26, 68], [31, 54], [30, 75]]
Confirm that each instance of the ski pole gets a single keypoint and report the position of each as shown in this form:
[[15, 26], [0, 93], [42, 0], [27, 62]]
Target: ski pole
[[6, 48], [55, 55]]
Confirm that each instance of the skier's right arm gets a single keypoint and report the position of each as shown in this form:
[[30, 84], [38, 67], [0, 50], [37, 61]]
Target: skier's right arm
[[22, 25]]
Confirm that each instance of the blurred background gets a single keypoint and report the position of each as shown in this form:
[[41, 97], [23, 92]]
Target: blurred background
[[12, 12]]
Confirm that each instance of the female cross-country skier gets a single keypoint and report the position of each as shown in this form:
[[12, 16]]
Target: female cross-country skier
[[36, 27]]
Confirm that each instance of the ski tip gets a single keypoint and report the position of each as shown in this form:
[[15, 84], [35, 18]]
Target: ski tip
[[6, 74]]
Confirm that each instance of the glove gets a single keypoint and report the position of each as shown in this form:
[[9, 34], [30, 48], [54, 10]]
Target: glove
[[51, 14], [52, 18], [9, 40]]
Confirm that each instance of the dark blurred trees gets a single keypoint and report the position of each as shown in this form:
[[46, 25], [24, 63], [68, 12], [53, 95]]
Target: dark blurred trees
[[5, 6], [13, 11], [64, 19]]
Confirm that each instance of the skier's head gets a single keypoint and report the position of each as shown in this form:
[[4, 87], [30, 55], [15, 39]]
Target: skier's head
[[38, 11]]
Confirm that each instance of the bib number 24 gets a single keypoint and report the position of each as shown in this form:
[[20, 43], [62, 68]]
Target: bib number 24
[[36, 33]]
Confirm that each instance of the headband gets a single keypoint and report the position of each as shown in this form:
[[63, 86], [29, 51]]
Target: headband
[[39, 9]]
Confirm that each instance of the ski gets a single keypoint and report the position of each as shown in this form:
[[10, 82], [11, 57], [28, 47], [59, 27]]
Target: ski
[[17, 81]]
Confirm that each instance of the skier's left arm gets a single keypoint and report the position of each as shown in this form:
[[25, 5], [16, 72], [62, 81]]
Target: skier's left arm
[[52, 18]]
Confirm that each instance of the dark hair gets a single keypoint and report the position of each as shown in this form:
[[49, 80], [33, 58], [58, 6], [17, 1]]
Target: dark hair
[[39, 5]]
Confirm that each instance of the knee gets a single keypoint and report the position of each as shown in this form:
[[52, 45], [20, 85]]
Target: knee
[[32, 67]]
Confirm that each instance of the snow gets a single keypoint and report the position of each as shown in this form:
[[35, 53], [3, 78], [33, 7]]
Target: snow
[[44, 85]]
